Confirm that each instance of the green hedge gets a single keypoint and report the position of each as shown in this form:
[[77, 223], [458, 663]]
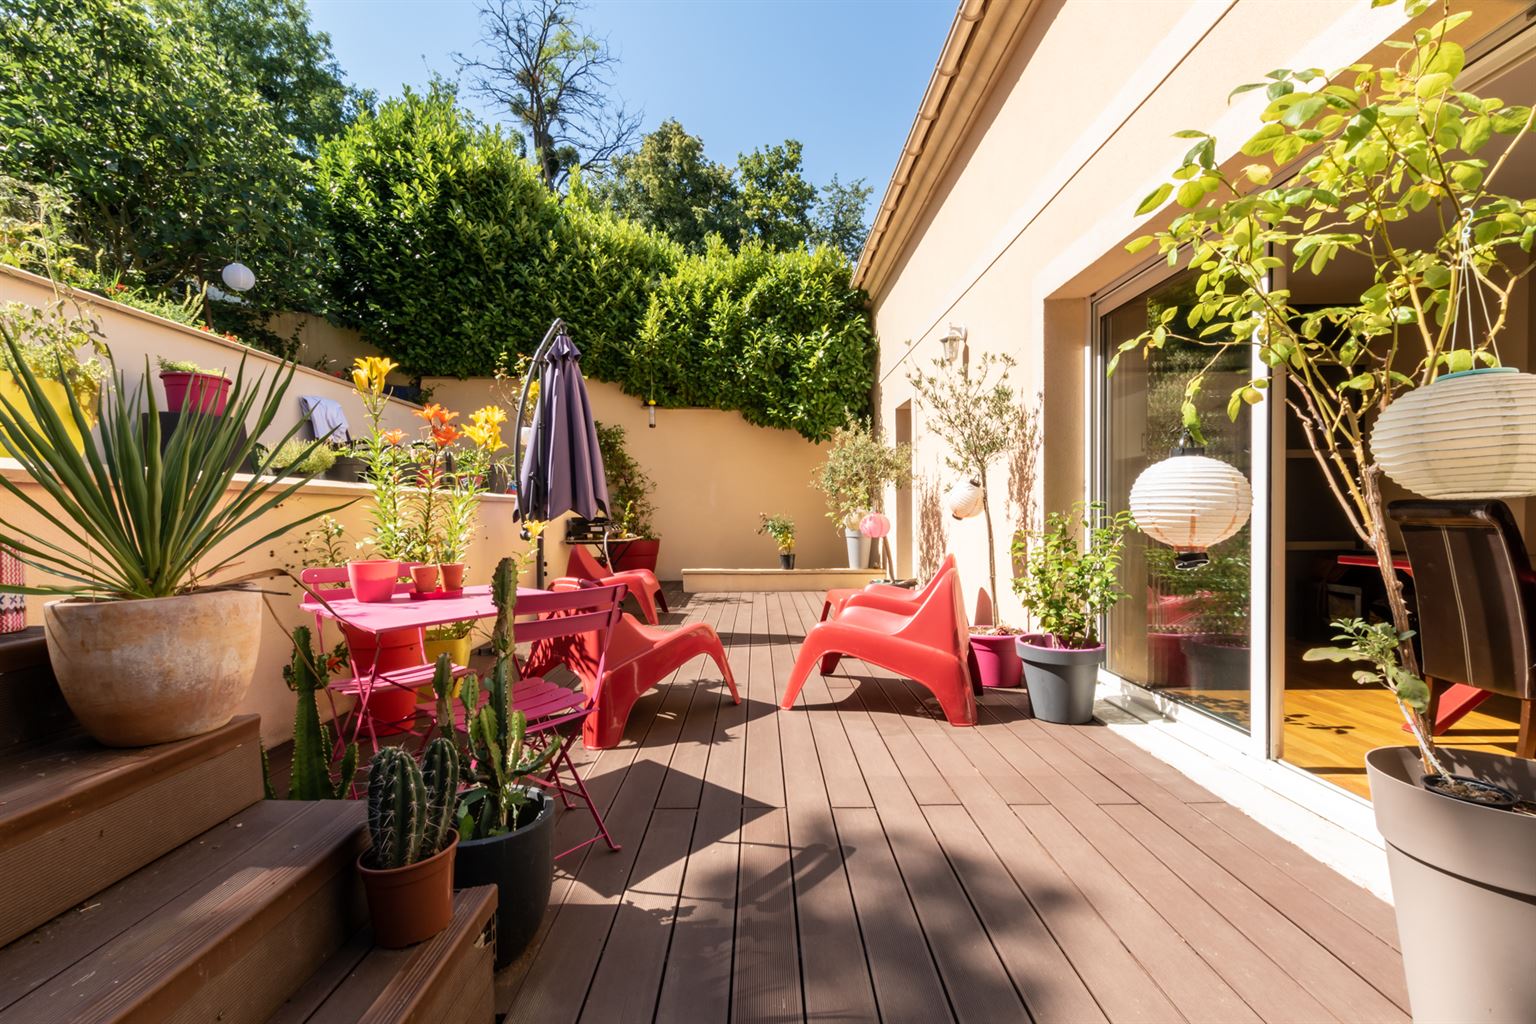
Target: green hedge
[[449, 250]]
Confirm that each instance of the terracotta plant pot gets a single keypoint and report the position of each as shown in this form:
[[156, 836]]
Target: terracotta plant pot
[[410, 904], [997, 660], [393, 708], [151, 671], [453, 575], [521, 864], [425, 578], [1060, 680], [195, 392], [373, 579], [1462, 885], [638, 554]]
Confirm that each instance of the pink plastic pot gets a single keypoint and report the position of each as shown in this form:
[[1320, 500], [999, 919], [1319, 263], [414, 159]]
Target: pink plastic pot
[[997, 660], [373, 579], [195, 392]]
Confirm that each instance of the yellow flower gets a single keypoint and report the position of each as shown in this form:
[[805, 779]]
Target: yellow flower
[[370, 373], [360, 379], [489, 415]]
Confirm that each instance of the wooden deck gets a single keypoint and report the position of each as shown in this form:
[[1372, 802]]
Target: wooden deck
[[856, 859]]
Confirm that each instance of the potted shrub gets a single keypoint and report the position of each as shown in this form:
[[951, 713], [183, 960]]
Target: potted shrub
[[976, 414], [854, 479], [148, 643], [295, 457], [1066, 586], [408, 871], [190, 388], [508, 827], [782, 529], [629, 501], [1447, 252]]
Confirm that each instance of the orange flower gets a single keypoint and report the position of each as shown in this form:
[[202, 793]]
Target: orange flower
[[394, 436], [445, 435], [436, 415]]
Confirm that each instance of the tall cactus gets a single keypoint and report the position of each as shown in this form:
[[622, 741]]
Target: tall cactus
[[504, 596], [310, 777], [397, 808], [440, 775]]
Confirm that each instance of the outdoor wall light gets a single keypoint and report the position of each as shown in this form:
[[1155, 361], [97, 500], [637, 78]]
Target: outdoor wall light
[[238, 277], [1467, 435], [953, 342], [1190, 502]]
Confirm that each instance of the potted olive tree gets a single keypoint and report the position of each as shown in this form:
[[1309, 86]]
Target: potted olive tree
[[1067, 585], [1396, 169], [782, 529], [149, 642], [858, 468]]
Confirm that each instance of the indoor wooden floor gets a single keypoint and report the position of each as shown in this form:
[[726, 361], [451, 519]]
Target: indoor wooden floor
[[858, 859]]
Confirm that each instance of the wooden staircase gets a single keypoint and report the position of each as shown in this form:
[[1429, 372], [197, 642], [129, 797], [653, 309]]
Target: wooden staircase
[[157, 885]]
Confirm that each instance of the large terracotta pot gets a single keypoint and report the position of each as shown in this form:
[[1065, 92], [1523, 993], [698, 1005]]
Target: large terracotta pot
[[393, 708], [155, 670], [638, 554], [410, 904]]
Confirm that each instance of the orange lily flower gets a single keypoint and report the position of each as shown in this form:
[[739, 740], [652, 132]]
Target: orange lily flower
[[394, 436]]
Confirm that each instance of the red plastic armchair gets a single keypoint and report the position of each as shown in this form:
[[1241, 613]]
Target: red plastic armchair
[[930, 645], [641, 583], [882, 595], [638, 658]]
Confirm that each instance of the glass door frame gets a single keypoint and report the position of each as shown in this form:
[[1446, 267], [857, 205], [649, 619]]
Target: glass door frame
[[1266, 534]]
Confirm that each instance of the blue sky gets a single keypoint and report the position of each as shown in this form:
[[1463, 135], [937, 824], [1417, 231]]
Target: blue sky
[[842, 76]]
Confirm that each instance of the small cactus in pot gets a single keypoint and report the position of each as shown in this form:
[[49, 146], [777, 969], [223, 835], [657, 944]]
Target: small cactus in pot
[[408, 873]]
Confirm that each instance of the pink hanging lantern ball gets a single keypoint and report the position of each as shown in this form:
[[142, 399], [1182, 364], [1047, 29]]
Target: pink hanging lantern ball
[[874, 525]]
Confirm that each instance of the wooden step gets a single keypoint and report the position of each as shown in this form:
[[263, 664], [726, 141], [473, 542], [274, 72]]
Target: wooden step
[[31, 706], [221, 929], [76, 817], [449, 978]]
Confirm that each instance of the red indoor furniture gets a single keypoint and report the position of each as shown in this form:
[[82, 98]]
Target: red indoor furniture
[[930, 645], [641, 583], [884, 596], [638, 658]]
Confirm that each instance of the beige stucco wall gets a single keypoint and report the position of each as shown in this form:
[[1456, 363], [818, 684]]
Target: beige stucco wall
[[1030, 220], [713, 472]]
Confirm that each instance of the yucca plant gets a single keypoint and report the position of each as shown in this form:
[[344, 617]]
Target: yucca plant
[[142, 522]]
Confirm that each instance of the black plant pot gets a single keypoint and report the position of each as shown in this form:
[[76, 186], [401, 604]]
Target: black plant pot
[[1216, 662], [1060, 680], [347, 469], [521, 865], [786, 561]]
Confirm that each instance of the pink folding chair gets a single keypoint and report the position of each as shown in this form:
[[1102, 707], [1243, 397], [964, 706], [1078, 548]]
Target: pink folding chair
[[396, 658], [552, 709]]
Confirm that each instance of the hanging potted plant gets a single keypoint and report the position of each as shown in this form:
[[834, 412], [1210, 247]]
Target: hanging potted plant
[[190, 388], [1067, 585], [854, 478], [1394, 176], [782, 529], [408, 871], [137, 590]]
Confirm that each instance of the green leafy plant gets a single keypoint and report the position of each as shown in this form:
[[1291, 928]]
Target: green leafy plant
[[410, 806], [858, 468], [1376, 148], [781, 528], [310, 775], [629, 486], [305, 458], [1379, 645], [139, 520], [179, 366], [1069, 584], [976, 415]]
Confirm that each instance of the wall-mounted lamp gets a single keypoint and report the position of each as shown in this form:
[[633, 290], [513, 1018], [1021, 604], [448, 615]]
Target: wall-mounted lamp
[[954, 342]]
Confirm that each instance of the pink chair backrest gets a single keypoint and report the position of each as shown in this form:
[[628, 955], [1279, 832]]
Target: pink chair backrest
[[568, 615]]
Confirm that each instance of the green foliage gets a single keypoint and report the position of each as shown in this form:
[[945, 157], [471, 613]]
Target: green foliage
[[629, 486], [781, 528], [397, 810], [1067, 585], [670, 186], [304, 458], [1377, 644], [310, 775], [858, 468], [142, 522], [774, 197], [839, 217]]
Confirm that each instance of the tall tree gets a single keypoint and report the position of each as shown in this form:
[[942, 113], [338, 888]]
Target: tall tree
[[537, 63], [670, 185], [775, 198], [839, 220]]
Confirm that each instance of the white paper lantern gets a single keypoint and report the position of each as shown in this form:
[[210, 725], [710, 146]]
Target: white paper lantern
[[964, 499], [1467, 435], [1190, 502], [238, 277]]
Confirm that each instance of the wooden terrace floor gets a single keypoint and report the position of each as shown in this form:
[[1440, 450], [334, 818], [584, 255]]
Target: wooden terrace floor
[[857, 859]]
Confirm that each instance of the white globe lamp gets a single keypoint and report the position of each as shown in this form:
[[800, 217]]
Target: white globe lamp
[[964, 499], [1466, 435], [238, 277], [1190, 502]]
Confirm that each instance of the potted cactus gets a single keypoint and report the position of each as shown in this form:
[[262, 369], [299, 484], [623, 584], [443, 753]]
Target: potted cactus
[[508, 827], [408, 874]]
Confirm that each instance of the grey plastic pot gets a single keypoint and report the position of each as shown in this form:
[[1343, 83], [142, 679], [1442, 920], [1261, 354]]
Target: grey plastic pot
[[1463, 885], [1060, 680]]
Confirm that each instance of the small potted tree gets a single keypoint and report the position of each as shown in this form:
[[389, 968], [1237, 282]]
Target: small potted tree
[[855, 475], [782, 529], [408, 871], [190, 388], [1066, 586], [629, 501]]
